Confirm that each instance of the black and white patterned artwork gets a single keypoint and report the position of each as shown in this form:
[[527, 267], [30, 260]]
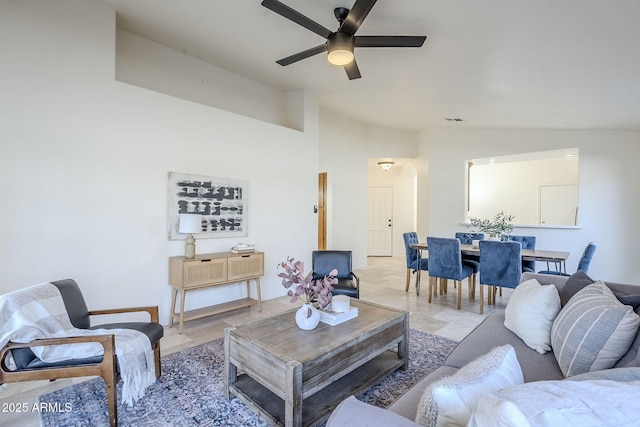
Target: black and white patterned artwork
[[221, 202]]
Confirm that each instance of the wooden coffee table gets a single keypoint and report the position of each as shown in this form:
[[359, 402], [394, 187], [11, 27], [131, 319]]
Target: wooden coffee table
[[296, 377]]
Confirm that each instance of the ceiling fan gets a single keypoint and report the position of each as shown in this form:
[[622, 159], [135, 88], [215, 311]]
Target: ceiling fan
[[340, 44]]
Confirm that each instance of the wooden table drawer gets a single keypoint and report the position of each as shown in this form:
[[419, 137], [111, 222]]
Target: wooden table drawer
[[243, 266], [204, 271]]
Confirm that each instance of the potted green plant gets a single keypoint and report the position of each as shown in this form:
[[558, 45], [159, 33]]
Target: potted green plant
[[500, 227]]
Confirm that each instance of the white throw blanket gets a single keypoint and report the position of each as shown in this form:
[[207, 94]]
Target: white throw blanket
[[38, 312]]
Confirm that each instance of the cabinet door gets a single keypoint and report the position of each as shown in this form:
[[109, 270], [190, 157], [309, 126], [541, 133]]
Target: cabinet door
[[205, 272], [244, 266]]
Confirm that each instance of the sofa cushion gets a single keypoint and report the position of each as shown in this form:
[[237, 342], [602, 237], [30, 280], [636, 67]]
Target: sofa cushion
[[451, 400], [354, 413], [492, 333], [593, 331], [560, 403], [576, 282], [530, 313]]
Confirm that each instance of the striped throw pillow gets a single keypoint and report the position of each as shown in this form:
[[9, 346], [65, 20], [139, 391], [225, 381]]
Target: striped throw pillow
[[592, 331]]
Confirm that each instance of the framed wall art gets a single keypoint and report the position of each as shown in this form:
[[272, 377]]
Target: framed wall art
[[222, 203]]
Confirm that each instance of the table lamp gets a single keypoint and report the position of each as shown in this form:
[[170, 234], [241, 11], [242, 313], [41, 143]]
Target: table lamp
[[189, 223]]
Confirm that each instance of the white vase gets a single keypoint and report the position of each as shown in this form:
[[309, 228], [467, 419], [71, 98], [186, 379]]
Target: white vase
[[307, 317]]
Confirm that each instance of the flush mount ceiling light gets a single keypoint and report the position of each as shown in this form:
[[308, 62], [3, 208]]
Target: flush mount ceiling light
[[386, 165]]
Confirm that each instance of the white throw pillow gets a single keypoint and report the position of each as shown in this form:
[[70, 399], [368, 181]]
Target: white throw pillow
[[560, 403], [530, 313], [592, 331], [451, 400]]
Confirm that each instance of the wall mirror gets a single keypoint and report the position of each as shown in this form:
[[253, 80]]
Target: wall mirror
[[537, 188]]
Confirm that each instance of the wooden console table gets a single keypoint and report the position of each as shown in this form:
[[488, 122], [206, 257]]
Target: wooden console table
[[208, 270]]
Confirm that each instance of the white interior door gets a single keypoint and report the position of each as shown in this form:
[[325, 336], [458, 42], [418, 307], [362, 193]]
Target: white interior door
[[380, 228]]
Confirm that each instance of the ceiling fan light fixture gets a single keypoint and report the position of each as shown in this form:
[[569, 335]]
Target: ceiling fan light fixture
[[340, 49]]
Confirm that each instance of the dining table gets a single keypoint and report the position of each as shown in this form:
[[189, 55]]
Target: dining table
[[557, 258]]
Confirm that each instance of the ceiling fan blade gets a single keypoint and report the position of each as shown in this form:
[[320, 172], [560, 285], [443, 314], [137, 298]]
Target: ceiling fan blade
[[295, 16], [358, 12], [389, 41], [352, 70], [302, 55]]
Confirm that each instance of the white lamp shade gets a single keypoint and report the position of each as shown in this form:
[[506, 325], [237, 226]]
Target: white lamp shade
[[190, 223]]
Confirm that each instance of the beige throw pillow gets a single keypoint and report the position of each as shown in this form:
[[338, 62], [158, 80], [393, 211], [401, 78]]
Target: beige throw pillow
[[530, 313]]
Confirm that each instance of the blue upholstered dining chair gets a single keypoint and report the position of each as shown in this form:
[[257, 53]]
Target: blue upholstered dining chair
[[528, 242], [413, 263], [500, 266], [467, 239], [445, 262], [583, 264]]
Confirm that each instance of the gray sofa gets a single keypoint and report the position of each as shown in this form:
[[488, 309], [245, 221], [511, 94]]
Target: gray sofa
[[489, 334]]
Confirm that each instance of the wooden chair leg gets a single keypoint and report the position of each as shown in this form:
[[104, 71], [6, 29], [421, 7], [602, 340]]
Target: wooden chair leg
[[408, 280], [481, 299], [108, 374], [459, 283], [156, 355], [431, 283], [112, 401], [471, 282]]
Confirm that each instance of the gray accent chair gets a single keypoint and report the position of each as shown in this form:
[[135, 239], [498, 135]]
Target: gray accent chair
[[30, 368], [325, 261]]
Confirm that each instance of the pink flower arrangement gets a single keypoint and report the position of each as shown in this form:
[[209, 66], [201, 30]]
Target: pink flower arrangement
[[303, 286]]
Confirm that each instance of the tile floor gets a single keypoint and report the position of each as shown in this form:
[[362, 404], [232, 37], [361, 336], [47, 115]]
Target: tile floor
[[382, 282]]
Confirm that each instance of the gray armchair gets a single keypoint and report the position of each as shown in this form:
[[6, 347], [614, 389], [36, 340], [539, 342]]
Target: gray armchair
[[28, 367], [325, 261]]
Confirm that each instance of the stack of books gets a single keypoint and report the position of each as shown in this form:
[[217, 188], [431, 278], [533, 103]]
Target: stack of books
[[333, 318], [243, 248]]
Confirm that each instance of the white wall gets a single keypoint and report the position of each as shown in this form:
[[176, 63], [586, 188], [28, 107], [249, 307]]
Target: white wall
[[152, 66], [343, 156], [85, 158], [609, 200]]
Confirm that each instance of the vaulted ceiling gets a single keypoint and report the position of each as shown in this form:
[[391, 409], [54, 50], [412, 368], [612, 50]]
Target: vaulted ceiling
[[546, 64]]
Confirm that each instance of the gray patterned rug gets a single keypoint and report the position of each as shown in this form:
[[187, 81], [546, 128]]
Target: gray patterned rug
[[189, 393]]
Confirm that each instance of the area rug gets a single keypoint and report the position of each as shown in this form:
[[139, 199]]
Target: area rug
[[189, 392]]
